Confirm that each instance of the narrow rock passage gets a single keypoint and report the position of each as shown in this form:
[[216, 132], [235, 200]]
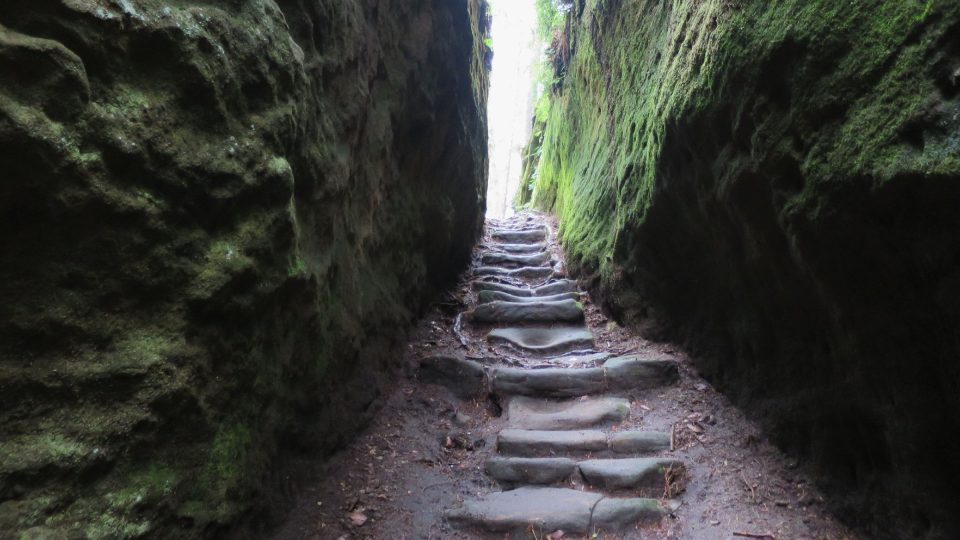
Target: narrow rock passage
[[524, 412], [558, 412]]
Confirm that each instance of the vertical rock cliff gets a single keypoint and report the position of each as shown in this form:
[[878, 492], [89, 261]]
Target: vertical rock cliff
[[218, 219], [776, 184]]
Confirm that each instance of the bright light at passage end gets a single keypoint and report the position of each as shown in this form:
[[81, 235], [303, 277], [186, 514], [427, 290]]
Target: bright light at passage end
[[510, 107]]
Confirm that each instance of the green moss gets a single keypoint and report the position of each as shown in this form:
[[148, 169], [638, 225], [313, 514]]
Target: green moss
[[605, 131], [35, 451]]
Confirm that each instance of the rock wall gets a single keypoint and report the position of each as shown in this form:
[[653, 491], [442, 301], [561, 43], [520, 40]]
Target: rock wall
[[218, 221], [776, 185]]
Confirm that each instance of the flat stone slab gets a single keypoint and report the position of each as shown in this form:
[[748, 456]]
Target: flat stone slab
[[531, 443], [544, 340], [523, 442], [548, 382], [514, 260], [556, 287], [528, 312], [544, 509], [532, 413], [528, 236], [484, 297], [525, 272], [627, 473], [639, 442], [636, 373], [612, 514], [581, 360], [519, 248], [518, 470], [465, 378]]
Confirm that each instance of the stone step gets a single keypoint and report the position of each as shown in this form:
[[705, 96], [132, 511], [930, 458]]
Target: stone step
[[514, 260], [620, 473], [532, 413], [625, 373], [511, 471], [531, 443], [544, 340], [517, 248], [553, 288], [529, 236], [627, 473], [485, 297], [547, 510], [525, 272], [527, 312], [548, 382]]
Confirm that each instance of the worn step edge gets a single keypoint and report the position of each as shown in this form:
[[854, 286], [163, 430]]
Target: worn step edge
[[557, 340], [624, 373], [536, 413], [516, 248], [502, 259], [485, 297], [551, 509], [530, 236], [614, 473], [555, 287], [565, 311], [534, 443], [525, 272]]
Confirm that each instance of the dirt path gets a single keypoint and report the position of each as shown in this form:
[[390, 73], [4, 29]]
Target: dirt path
[[524, 412]]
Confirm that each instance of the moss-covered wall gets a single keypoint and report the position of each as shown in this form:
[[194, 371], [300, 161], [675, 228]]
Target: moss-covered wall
[[776, 184], [217, 219]]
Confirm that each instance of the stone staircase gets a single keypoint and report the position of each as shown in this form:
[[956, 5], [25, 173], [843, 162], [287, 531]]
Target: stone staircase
[[567, 459]]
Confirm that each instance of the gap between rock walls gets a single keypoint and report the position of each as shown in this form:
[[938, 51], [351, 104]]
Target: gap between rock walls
[[526, 413]]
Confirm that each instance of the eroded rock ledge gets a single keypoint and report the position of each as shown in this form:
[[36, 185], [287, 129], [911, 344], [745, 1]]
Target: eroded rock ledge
[[777, 186], [218, 218]]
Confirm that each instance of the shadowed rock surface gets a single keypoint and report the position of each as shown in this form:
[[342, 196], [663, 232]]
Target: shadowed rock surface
[[214, 237], [544, 340], [566, 311], [776, 186]]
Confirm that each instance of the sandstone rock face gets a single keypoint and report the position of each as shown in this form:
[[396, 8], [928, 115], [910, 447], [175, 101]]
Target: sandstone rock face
[[777, 186], [218, 218]]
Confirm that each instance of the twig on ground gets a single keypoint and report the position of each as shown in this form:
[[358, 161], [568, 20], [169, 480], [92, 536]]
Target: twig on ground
[[457, 326], [753, 491], [767, 536]]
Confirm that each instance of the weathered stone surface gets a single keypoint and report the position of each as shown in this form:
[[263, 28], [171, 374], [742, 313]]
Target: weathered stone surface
[[528, 312], [636, 373], [545, 509], [562, 286], [626, 473], [639, 442], [548, 382], [581, 360], [518, 470], [623, 514], [559, 286], [494, 296], [526, 272], [545, 340], [465, 378], [519, 248], [522, 442], [534, 413], [514, 260], [520, 236]]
